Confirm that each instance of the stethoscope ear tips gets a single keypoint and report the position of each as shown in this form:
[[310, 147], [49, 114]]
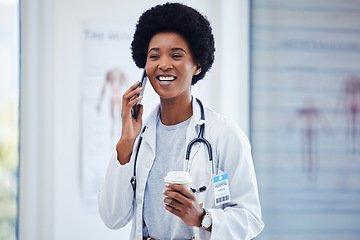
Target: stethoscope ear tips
[[202, 189]]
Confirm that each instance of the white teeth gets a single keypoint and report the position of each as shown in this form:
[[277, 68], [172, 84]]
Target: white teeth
[[166, 78]]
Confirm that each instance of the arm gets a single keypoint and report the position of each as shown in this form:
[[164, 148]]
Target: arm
[[115, 198], [240, 218], [116, 195]]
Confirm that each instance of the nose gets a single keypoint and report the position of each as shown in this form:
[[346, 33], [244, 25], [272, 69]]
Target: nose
[[165, 63]]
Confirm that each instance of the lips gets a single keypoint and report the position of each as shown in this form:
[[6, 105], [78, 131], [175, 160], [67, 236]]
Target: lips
[[166, 78]]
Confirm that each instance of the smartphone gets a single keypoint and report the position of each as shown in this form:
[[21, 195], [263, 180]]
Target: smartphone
[[135, 109]]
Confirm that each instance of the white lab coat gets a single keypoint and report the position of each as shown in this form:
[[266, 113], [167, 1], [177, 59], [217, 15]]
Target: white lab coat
[[238, 219]]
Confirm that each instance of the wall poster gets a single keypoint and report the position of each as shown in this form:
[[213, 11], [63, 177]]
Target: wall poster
[[108, 71], [305, 117]]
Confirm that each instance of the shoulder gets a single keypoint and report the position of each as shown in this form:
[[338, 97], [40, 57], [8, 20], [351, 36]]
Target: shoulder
[[224, 130]]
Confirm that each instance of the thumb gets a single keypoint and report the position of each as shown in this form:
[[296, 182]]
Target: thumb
[[141, 109]]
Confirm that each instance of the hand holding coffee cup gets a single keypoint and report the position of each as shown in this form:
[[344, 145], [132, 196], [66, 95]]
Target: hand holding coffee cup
[[180, 200]]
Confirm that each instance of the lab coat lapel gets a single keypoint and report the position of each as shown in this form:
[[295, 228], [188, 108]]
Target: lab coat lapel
[[149, 135], [146, 152]]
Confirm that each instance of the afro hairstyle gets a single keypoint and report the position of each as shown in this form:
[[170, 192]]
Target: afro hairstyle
[[184, 20]]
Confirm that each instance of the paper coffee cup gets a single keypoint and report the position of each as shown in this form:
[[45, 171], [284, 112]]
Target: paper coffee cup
[[179, 177]]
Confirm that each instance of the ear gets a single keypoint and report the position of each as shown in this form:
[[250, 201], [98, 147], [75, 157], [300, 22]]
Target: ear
[[198, 69]]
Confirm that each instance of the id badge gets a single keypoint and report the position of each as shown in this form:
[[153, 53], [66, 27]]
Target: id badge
[[221, 189]]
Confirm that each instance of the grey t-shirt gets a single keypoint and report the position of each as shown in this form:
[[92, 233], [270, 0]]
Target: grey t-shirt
[[170, 155]]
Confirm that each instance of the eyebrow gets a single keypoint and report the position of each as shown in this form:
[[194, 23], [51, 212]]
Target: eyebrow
[[172, 49]]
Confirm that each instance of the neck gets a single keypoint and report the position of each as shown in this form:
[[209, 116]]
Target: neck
[[173, 112]]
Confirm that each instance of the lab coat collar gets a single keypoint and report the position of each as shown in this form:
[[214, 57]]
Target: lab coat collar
[[196, 119], [195, 122]]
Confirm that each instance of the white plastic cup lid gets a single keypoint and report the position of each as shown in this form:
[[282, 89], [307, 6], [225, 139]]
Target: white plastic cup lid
[[178, 177]]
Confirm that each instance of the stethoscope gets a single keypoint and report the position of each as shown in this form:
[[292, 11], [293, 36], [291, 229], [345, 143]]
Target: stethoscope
[[200, 139]]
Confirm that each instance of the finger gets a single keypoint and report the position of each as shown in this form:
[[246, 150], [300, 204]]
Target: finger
[[141, 109], [132, 94], [173, 203], [173, 211], [129, 93], [133, 87], [176, 212], [131, 104], [126, 108], [179, 188], [178, 197], [134, 100]]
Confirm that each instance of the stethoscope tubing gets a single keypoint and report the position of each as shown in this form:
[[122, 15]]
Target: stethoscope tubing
[[200, 139]]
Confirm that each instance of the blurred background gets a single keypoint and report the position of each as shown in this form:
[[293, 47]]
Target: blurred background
[[9, 118], [287, 72]]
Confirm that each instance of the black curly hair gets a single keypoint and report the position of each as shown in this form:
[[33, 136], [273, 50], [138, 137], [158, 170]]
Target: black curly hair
[[186, 21]]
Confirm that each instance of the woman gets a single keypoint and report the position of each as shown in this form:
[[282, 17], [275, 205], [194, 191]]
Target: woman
[[175, 45]]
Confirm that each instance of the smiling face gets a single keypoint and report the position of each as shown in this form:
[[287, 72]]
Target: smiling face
[[170, 66]]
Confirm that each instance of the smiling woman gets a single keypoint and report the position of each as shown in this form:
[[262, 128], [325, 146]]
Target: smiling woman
[[54, 198], [170, 68], [175, 45], [9, 95]]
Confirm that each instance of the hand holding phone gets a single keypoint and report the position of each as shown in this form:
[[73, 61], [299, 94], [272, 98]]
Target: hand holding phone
[[135, 109]]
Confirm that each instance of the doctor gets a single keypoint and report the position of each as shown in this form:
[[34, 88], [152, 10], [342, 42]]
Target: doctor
[[175, 45]]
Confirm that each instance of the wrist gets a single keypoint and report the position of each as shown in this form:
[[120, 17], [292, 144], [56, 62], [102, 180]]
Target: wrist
[[206, 222], [126, 142], [201, 218], [124, 149]]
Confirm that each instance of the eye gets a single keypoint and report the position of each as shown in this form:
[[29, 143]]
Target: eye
[[177, 56], [153, 57]]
